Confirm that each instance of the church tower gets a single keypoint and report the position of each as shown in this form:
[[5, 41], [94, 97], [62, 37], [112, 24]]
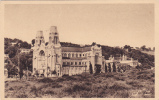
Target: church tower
[[39, 39], [54, 36], [39, 52], [54, 50]]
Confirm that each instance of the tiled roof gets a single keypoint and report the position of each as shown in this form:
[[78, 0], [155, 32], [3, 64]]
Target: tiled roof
[[76, 49]]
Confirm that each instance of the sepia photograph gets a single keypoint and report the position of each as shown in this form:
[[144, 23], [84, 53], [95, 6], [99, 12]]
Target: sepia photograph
[[97, 50]]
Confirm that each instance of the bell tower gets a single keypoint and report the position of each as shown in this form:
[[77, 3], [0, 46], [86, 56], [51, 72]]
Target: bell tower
[[38, 51], [55, 49], [54, 36], [39, 39]]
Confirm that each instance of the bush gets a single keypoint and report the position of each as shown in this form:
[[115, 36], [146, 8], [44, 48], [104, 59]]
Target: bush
[[118, 87], [49, 92], [54, 72], [46, 80], [22, 96], [11, 88], [77, 88]]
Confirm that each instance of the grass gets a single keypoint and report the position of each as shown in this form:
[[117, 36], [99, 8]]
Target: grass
[[130, 84]]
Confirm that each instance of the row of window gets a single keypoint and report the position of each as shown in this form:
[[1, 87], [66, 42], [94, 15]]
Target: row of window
[[67, 69], [74, 55], [74, 63]]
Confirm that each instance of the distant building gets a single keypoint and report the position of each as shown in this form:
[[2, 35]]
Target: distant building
[[26, 51], [13, 43], [124, 60]]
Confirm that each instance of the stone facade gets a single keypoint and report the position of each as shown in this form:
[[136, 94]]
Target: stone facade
[[54, 60]]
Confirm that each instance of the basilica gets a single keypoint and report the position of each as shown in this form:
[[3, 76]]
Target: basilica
[[51, 59]]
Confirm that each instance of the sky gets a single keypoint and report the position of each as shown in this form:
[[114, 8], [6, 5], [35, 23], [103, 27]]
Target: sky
[[105, 24]]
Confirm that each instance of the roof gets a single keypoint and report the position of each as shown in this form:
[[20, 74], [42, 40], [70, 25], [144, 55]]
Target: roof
[[76, 49], [74, 58]]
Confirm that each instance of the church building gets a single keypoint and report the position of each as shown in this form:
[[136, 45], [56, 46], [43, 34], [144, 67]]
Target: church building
[[51, 59]]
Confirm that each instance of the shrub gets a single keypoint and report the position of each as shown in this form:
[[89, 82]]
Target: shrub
[[11, 88], [22, 96], [77, 88], [49, 92], [118, 87], [54, 72], [55, 85], [33, 89], [46, 80]]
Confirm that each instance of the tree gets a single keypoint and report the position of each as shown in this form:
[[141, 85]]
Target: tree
[[114, 67], [25, 45], [90, 68], [127, 47], [109, 66], [54, 72], [33, 42], [46, 43], [14, 71], [12, 51], [8, 67], [94, 43], [143, 47], [106, 70]]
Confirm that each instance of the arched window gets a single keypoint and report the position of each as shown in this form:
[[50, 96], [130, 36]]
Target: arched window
[[65, 55], [68, 63], [73, 55], [42, 53], [75, 63], [69, 55], [71, 63], [80, 55]]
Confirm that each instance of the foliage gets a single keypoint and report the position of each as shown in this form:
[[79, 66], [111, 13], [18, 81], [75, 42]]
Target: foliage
[[114, 51], [90, 68], [33, 42], [130, 84], [66, 44], [12, 50], [54, 72], [12, 70]]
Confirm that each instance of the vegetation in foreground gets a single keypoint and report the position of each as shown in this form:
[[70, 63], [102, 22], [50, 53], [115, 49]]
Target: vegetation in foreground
[[133, 83]]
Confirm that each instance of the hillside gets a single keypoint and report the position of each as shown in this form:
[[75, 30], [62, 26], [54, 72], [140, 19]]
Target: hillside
[[144, 58]]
